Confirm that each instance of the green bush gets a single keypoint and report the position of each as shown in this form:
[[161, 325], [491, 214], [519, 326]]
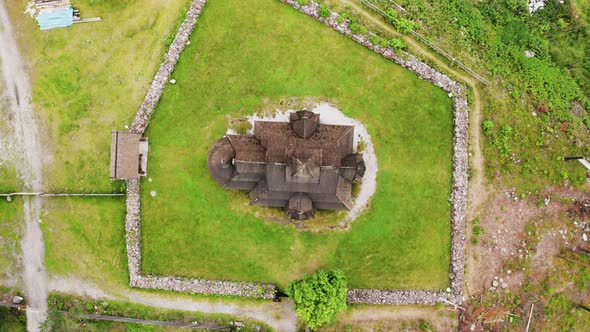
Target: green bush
[[319, 297], [324, 11], [398, 44], [391, 16], [303, 2], [355, 28], [404, 25], [487, 127]]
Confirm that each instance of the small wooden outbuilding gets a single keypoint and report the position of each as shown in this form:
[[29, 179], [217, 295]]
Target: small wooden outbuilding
[[129, 153]]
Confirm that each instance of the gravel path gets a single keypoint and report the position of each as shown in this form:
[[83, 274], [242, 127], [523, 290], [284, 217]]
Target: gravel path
[[29, 167], [280, 316]]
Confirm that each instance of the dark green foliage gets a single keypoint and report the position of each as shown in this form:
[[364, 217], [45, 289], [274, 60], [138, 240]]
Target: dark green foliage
[[319, 297], [12, 320], [487, 127], [531, 95]]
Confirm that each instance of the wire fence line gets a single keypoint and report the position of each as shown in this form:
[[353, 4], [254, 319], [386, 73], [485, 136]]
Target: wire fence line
[[428, 42], [63, 194], [210, 327]]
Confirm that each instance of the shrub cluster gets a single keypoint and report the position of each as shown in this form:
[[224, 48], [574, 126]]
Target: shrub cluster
[[319, 297]]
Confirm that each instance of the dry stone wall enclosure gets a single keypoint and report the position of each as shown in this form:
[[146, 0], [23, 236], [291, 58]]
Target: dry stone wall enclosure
[[458, 197]]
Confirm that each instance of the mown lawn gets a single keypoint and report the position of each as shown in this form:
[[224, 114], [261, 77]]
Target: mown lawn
[[90, 79], [85, 237], [245, 55]]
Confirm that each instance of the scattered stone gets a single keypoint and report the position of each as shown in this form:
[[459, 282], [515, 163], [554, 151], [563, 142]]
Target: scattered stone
[[534, 113], [450, 95], [8, 198], [172, 81], [448, 290], [17, 300], [495, 283], [529, 53], [150, 179], [40, 221], [535, 5], [188, 42], [585, 237], [153, 193], [501, 280], [504, 285], [509, 272]]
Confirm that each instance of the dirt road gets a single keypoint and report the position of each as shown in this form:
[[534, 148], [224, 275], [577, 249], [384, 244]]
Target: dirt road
[[29, 167], [280, 316]]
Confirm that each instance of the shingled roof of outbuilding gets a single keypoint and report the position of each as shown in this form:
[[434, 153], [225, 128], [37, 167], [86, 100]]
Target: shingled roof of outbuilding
[[125, 157]]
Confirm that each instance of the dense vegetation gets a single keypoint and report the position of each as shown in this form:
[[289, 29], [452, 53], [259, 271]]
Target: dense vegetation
[[319, 297], [536, 103], [232, 68], [12, 320]]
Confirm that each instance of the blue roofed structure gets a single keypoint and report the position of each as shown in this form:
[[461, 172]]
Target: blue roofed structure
[[55, 18]]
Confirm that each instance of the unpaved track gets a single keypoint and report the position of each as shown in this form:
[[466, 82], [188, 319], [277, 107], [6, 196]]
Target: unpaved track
[[280, 316], [29, 168]]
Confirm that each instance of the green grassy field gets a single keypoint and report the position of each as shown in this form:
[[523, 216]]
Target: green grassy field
[[11, 321], [10, 229], [90, 79], [245, 56], [86, 237]]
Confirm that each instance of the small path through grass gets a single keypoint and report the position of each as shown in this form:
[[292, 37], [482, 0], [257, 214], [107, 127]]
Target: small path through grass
[[29, 168]]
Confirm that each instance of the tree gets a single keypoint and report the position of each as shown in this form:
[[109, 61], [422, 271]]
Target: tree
[[319, 297]]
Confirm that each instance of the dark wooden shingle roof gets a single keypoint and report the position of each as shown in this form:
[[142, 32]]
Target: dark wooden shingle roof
[[313, 162]]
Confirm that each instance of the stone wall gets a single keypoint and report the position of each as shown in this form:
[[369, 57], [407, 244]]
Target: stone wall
[[167, 67], [132, 221], [458, 197], [372, 296]]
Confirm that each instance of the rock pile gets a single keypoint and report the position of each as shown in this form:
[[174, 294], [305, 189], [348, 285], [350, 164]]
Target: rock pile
[[458, 197]]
